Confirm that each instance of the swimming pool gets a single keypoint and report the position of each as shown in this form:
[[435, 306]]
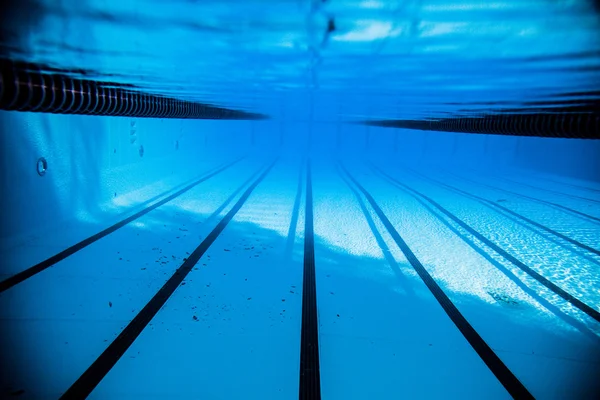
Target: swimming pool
[[314, 199]]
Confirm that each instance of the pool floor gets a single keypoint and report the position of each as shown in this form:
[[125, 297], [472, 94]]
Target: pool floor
[[201, 296]]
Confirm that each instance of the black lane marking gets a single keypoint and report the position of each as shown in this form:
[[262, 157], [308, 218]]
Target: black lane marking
[[387, 254], [107, 360], [573, 196], [541, 279], [291, 237], [310, 377], [490, 203], [504, 375], [232, 196], [549, 203], [36, 269], [570, 185]]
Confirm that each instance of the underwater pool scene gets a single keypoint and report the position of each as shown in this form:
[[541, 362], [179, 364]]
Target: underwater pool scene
[[300, 199]]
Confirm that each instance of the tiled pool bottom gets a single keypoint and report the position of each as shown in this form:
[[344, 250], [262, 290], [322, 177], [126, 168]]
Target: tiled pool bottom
[[516, 257]]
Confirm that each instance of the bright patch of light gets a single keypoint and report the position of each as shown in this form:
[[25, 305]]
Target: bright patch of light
[[369, 31], [528, 32], [85, 216], [469, 7], [286, 44], [449, 48], [442, 28], [372, 4], [198, 207], [274, 212], [345, 235], [138, 224]]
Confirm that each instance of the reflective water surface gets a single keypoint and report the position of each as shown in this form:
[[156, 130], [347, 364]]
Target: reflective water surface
[[408, 59]]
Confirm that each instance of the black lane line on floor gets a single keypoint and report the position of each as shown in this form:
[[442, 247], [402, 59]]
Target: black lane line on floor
[[573, 196], [541, 279], [387, 254], [548, 203], [504, 375], [291, 236], [36, 269], [233, 195], [569, 184], [107, 360], [492, 204], [310, 376]]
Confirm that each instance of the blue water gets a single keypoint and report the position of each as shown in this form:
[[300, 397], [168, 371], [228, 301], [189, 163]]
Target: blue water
[[446, 264]]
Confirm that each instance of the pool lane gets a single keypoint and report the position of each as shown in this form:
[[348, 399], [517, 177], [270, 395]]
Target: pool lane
[[551, 347], [232, 330], [564, 272], [583, 209], [233, 327], [68, 314], [45, 249], [382, 333], [533, 215]]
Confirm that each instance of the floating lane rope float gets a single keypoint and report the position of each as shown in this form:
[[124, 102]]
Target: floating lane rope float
[[25, 87]]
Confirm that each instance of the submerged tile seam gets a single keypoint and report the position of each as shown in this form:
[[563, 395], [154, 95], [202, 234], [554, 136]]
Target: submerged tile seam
[[88, 381], [504, 375], [43, 265], [591, 312]]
